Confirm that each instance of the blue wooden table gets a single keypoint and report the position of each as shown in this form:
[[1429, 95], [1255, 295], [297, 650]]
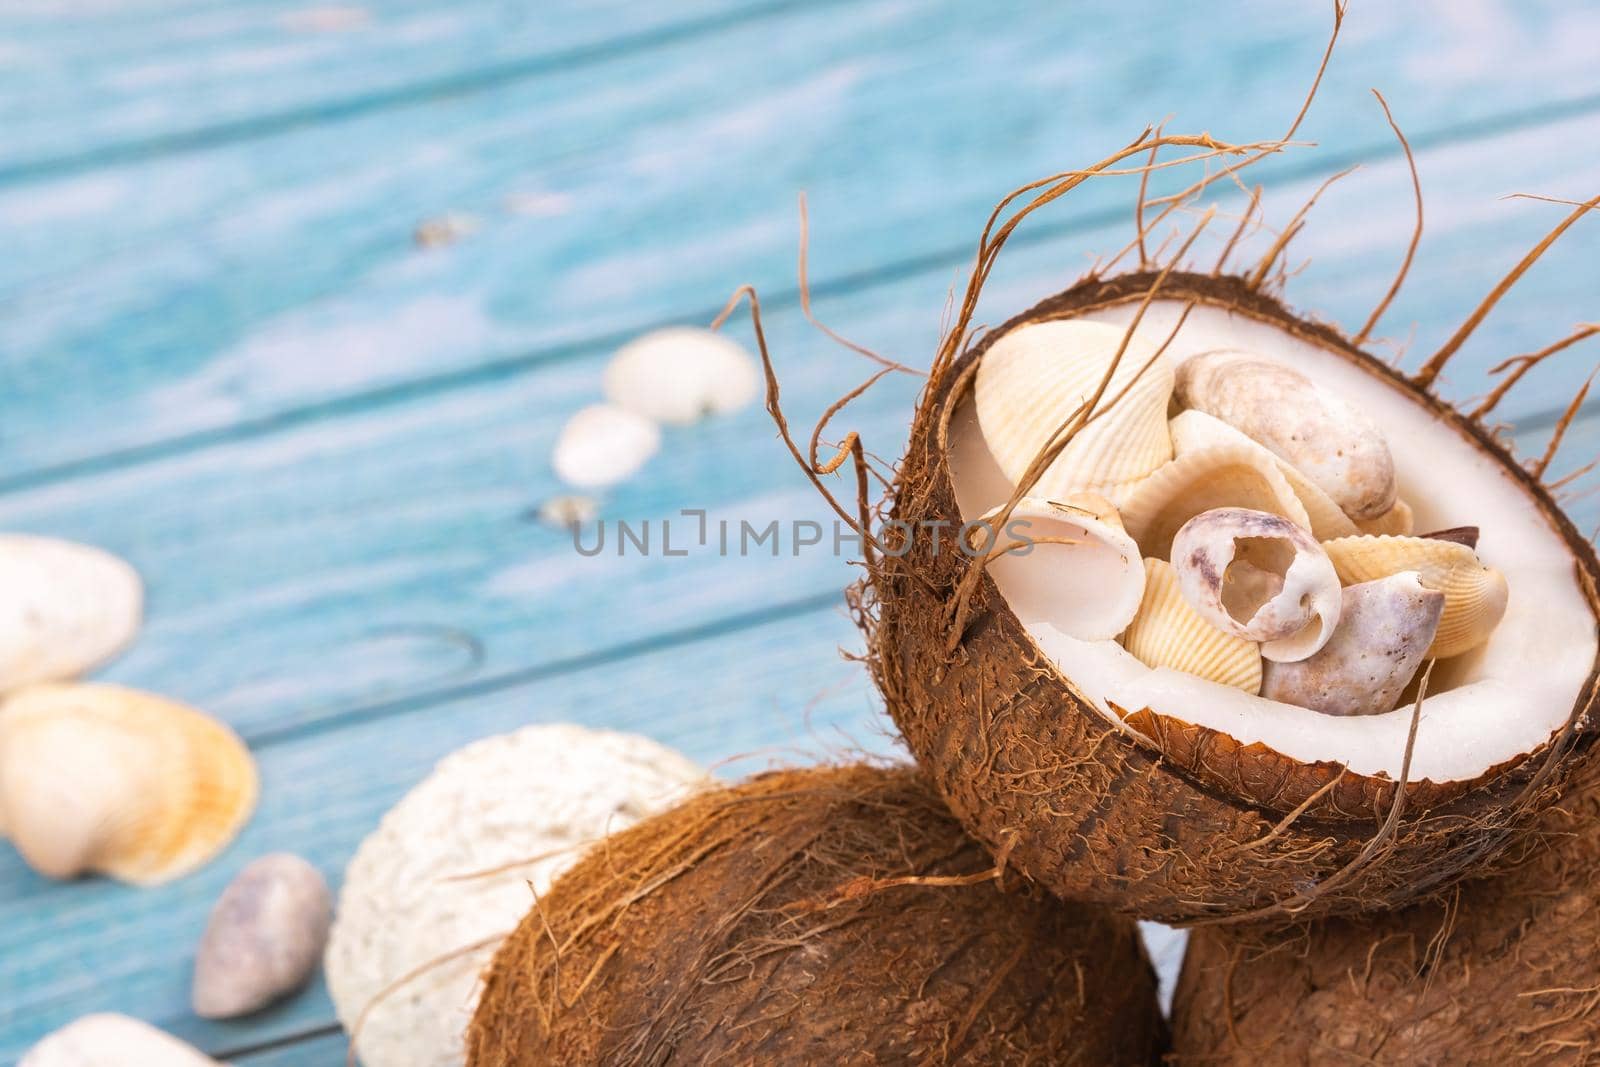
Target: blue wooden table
[[224, 356]]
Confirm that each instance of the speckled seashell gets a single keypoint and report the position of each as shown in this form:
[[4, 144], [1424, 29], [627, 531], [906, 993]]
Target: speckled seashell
[[681, 374], [1222, 476], [1087, 585], [1193, 431], [1475, 595], [602, 445], [109, 1040], [1382, 639], [1398, 521], [264, 939], [1167, 632], [1319, 434], [1260, 577], [102, 779], [64, 608], [1032, 380]]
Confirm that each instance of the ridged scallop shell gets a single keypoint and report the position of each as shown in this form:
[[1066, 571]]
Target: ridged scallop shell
[[1260, 577], [1167, 632], [1032, 380], [64, 608], [1326, 438], [1474, 594], [98, 778], [1385, 628], [1193, 431], [1088, 587], [1398, 521], [1222, 476], [680, 374]]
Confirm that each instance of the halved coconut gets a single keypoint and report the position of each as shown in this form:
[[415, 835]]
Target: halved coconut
[[1181, 799]]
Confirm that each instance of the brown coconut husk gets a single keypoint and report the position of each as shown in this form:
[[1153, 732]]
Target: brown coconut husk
[[1503, 971], [832, 915]]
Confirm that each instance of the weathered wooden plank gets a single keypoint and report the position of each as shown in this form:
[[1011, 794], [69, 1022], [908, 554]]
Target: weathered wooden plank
[[776, 692], [648, 186]]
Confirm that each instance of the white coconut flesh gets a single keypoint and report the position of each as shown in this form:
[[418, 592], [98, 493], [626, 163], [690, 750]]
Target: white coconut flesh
[[1499, 701]]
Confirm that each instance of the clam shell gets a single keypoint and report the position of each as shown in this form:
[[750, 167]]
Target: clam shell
[[111, 1040], [1260, 577], [1398, 521], [602, 445], [1193, 431], [1384, 631], [1167, 632], [1030, 382], [264, 938], [64, 608], [1316, 432], [1222, 476], [1475, 595], [681, 374], [98, 778], [1088, 589]]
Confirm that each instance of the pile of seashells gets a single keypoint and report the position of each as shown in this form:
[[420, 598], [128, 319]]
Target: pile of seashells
[[1224, 517]]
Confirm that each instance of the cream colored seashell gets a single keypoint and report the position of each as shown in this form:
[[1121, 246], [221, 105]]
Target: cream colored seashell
[[110, 1040], [1223, 476], [1193, 431], [98, 778], [1316, 432], [681, 374], [1068, 564], [1475, 595], [1398, 521], [1260, 577], [264, 938], [602, 445], [1167, 632], [64, 608], [1384, 631], [1032, 380]]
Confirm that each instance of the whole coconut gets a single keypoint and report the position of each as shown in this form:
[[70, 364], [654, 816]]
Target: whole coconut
[[834, 916]]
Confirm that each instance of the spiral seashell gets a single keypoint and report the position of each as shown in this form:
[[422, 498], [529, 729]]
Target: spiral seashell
[[1032, 380], [98, 778], [1068, 564], [1195, 430], [1384, 631], [1475, 595], [1258, 576], [1167, 632], [1221, 476], [264, 938], [1316, 432], [64, 608], [1398, 521]]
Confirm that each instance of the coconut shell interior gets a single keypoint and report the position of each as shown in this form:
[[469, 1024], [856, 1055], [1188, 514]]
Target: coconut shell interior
[[831, 915], [1143, 809]]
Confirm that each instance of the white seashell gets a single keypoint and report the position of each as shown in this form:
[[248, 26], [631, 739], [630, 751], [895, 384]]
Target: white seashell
[[1383, 635], [1030, 382], [1260, 577], [64, 608], [1316, 432], [1194, 431], [1475, 595], [1398, 521], [98, 778], [264, 939], [456, 863], [1086, 584], [1169, 633], [681, 374], [1223, 476], [602, 445], [109, 1040]]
